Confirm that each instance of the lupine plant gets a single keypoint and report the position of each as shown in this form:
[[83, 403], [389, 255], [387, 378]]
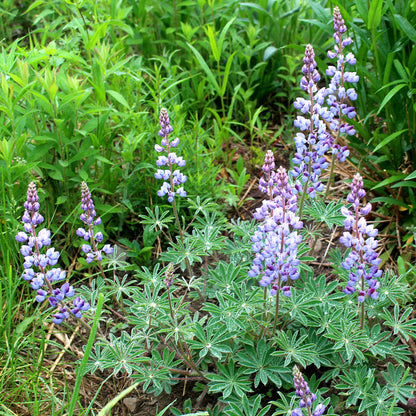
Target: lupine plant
[[362, 261], [306, 396], [88, 218], [39, 267], [276, 239], [327, 110], [210, 329]]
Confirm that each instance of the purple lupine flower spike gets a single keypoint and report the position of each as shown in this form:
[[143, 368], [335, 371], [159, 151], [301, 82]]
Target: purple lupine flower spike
[[306, 397], [362, 261], [173, 178], [39, 267], [313, 141], [275, 242], [338, 96], [89, 218]]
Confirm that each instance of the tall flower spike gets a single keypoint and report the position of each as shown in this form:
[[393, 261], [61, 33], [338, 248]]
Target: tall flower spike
[[89, 218], [275, 242], [313, 141], [362, 261], [39, 267], [337, 95], [306, 397], [173, 178]]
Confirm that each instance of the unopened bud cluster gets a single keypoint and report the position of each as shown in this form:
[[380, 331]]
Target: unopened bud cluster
[[307, 398]]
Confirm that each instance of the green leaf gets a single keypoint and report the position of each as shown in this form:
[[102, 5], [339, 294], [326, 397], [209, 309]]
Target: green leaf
[[61, 199], [269, 52], [389, 96], [206, 68], [390, 179], [407, 28], [400, 322], [408, 184], [229, 380], [411, 176], [374, 14], [391, 201], [22, 326], [224, 33], [330, 213], [226, 74], [213, 43], [119, 98], [399, 382], [294, 348]]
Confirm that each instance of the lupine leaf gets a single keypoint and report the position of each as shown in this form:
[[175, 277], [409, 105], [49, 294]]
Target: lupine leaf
[[329, 213], [399, 382], [229, 380], [400, 323]]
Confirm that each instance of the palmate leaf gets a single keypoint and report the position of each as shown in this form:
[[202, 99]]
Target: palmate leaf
[[211, 339], [154, 376], [348, 338], [224, 313], [208, 239], [378, 342], [299, 304], [394, 288], [330, 213], [324, 353], [230, 380], [225, 274], [248, 407], [204, 206], [399, 382], [155, 219], [381, 402], [259, 360], [285, 405], [294, 348], [180, 251], [324, 315], [400, 323], [122, 354], [357, 382]]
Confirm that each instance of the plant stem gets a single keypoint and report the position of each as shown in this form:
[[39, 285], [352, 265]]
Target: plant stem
[[277, 305], [88, 348]]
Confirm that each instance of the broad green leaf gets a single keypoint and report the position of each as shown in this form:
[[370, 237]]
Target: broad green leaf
[[409, 184], [390, 179], [206, 68], [226, 74], [392, 201], [269, 52], [411, 176], [374, 14], [61, 199], [407, 28], [390, 95], [224, 33], [388, 139], [362, 9], [213, 43], [119, 98]]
